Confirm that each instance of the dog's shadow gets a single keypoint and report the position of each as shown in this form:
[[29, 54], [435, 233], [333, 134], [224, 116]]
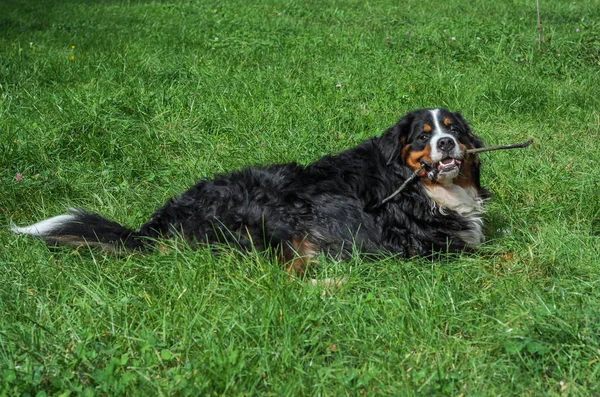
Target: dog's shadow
[[496, 226]]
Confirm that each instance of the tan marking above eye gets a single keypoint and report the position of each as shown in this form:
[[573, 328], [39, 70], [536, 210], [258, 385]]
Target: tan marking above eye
[[426, 128], [447, 122]]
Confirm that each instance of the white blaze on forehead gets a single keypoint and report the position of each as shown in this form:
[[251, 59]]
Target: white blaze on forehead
[[435, 114], [437, 134]]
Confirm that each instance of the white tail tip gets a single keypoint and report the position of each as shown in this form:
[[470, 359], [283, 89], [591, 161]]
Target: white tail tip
[[44, 227]]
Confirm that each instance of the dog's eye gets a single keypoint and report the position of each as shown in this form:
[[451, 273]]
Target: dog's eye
[[423, 137]]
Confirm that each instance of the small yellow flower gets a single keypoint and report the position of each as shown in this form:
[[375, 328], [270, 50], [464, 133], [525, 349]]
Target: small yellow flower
[[72, 58], [73, 47]]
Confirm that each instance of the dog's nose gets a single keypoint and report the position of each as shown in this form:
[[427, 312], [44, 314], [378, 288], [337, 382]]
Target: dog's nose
[[446, 144]]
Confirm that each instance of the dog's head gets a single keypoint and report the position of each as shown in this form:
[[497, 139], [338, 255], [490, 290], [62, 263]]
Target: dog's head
[[437, 139]]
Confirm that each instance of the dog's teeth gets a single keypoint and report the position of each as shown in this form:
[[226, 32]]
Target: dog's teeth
[[447, 164]]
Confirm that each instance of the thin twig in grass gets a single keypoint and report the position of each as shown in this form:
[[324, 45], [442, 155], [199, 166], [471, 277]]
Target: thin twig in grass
[[539, 25]]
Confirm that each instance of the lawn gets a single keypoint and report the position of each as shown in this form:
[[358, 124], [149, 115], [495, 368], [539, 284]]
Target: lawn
[[116, 106]]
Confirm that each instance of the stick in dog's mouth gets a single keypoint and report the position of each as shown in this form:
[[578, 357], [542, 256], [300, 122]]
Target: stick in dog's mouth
[[433, 171], [500, 147]]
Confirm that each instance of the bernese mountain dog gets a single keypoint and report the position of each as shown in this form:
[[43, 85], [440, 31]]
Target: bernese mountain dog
[[334, 206]]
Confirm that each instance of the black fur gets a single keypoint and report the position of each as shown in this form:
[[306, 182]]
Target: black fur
[[331, 203]]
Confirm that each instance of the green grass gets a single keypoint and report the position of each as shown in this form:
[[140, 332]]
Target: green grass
[[118, 105]]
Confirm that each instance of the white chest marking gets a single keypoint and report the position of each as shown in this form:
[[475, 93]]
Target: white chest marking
[[466, 203]]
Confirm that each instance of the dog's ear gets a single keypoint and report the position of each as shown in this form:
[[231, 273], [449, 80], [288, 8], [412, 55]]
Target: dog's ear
[[394, 138], [475, 140], [476, 164]]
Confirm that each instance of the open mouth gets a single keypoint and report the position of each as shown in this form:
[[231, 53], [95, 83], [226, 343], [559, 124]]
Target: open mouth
[[446, 167]]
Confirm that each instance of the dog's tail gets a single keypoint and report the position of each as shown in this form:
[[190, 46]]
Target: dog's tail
[[80, 228]]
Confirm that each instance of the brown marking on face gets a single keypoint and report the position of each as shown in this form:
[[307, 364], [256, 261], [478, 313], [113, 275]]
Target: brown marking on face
[[463, 148], [426, 128], [465, 178], [299, 255], [447, 122], [413, 160]]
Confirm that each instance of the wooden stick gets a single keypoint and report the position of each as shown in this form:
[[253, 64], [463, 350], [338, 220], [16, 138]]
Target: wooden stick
[[470, 151], [401, 188], [500, 147]]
